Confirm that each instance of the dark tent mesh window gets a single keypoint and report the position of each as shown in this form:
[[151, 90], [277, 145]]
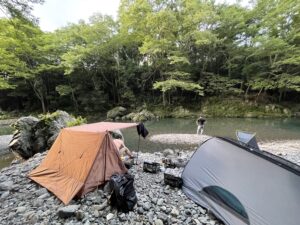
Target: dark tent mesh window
[[227, 201]]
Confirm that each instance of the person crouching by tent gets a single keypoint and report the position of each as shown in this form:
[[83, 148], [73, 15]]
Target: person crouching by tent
[[125, 154], [200, 125]]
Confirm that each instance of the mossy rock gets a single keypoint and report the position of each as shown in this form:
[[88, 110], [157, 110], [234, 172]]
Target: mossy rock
[[118, 111], [144, 115], [35, 135], [129, 116]]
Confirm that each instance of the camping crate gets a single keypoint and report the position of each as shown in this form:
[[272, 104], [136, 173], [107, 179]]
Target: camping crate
[[151, 167], [172, 177]]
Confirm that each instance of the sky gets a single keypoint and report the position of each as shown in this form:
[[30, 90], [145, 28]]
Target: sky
[[54, 14]]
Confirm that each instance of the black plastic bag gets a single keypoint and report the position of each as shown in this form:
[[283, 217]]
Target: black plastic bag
[[123, 193], [141, 129]]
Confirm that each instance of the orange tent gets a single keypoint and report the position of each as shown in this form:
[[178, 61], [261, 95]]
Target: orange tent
[[81, 158]]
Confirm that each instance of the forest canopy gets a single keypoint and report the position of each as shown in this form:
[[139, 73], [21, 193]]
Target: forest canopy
[[156, 52]]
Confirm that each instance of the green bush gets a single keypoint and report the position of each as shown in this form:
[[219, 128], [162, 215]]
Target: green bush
[[78, 121]]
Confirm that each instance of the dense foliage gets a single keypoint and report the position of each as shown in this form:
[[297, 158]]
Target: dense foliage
[[157, 52]]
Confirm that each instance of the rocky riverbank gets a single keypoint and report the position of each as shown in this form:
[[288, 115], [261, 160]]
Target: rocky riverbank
[[288, 149], [25, 202], [192, 139]]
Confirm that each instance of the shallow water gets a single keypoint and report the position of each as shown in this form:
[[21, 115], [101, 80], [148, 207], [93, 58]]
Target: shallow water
[[5, 129], [5, 160], [265, 129]]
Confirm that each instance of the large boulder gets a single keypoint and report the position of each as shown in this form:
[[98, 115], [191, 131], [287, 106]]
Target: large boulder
[[22, 141], [144, 115], [116, 113], [140, 116], [35, 135]]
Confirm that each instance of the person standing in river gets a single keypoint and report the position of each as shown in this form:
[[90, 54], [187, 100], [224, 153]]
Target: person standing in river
[[200, 125]]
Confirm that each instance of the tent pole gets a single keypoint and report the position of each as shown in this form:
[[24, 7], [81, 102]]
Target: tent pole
[[137, 157]]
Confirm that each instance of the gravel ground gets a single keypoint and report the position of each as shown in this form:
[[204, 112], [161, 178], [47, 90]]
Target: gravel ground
[[193, 139], [288, 149], [25, 202]]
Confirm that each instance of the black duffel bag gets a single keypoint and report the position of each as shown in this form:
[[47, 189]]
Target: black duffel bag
[[123, 195]]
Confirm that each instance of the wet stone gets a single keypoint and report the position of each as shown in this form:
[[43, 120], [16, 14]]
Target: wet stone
[[68, 211]]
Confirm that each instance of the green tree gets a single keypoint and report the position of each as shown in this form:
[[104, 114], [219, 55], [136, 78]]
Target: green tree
[[19, 8]]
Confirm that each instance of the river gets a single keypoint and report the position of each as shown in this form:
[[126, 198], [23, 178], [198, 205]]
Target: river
[[265, 129]]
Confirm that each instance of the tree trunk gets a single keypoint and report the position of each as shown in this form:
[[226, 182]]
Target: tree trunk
[[74, 101], [280, 95], [246, 93], [39, 95], [43, 105], [257, 96]]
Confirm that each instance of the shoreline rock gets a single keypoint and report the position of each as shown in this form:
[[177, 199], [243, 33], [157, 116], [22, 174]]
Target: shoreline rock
[[34, 135]]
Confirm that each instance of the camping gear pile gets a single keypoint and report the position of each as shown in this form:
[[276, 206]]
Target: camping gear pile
[[174, 162], [172, 172]]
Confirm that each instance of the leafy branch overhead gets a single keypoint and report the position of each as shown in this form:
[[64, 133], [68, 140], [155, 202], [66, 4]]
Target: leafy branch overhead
[[169, 85]]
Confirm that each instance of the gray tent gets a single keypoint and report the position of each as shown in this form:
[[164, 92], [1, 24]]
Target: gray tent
[[247, 138], [243, 186]]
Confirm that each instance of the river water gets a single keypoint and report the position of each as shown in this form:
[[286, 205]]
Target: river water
[[265, 129]]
